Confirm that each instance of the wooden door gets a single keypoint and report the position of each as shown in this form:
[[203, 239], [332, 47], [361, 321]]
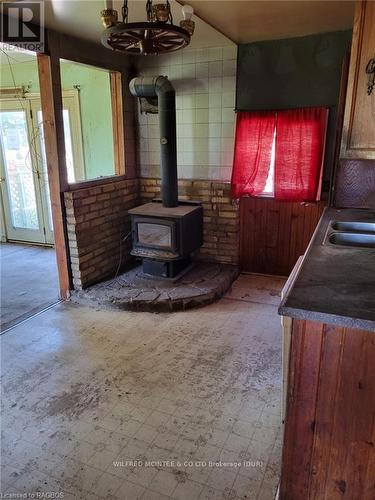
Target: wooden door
[[274, 234], [358, 138]]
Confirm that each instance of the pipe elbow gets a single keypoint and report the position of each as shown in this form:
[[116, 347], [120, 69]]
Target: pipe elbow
[[163, 85], [150, 86]]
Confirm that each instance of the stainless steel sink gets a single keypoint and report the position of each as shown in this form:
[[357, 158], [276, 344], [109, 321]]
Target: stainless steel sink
[[354, 234], [357, 227], [361, 240]]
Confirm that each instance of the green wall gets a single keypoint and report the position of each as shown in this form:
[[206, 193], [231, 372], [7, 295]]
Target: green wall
[[96, 116], [95, 104], [25, 73], [294, 73], [291, 73]]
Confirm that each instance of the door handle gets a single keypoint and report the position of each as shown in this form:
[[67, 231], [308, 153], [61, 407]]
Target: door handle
[[2, 179]]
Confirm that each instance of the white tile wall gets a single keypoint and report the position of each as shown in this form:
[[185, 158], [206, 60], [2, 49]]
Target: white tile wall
[[205, 82]]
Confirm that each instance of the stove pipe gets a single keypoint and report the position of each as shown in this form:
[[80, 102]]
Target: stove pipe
[[161, 87]]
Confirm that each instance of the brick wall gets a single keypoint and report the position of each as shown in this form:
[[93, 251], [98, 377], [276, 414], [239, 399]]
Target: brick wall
[[220, 216], [97, 221]]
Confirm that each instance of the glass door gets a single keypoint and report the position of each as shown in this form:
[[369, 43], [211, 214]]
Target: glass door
[[40, 152], [25, 219], [72, 134], [23, 166]]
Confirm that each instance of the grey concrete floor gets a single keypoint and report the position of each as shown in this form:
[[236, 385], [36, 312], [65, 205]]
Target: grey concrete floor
[[29, 281], [125, 405]]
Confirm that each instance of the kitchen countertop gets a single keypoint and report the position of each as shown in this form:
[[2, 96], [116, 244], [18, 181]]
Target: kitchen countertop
[[335, 284]]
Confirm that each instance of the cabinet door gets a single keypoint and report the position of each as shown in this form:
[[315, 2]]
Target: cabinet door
[[358, 138]]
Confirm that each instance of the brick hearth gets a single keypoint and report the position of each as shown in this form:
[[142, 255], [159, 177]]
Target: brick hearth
[[97, 220]]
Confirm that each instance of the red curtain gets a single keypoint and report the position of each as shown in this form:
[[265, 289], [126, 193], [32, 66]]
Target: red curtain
[[300, 141], [252, 152]]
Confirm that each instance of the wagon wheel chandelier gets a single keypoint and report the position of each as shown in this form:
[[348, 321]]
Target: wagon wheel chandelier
[[157, 35]]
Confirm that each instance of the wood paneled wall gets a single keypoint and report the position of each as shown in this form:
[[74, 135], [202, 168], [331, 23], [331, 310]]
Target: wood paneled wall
[[274, 234], [329, 450]]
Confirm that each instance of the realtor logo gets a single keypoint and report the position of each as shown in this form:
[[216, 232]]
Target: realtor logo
[[22, 25]]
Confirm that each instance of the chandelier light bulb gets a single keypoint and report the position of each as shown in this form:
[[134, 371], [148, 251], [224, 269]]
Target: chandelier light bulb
[[187, 12]]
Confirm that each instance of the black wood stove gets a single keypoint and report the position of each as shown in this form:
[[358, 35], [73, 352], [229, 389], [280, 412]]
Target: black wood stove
[[165, 232], [165, 237]]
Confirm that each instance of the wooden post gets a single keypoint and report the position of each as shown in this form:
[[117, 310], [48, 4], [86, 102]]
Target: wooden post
[[50, 94], [117, 122]]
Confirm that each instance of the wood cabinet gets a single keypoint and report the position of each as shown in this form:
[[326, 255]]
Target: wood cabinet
[[286, 324], [358, 136], [329, 437]]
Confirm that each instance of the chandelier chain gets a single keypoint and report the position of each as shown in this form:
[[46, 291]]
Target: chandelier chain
[[170, 18], [125, 12], [149, 10]]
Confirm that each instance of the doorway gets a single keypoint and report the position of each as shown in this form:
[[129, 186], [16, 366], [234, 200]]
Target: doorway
[[23, 172], [29, 274], [24, 181], [29, 278]]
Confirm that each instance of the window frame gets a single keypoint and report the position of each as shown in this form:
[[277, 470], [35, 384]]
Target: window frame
[[115, 80], [70, 101], [118, 126]]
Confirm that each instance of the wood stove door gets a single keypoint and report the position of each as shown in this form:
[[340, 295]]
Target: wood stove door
[[154, 233]]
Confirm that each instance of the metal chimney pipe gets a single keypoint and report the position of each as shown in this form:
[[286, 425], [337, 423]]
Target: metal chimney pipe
[[161, 87]]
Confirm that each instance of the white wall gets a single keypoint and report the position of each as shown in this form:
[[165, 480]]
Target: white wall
[[205, 82]]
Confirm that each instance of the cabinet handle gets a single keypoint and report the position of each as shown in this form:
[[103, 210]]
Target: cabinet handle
[[370, 70]]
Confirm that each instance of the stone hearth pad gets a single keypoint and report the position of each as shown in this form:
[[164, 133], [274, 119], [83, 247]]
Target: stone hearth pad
[[134, 291]]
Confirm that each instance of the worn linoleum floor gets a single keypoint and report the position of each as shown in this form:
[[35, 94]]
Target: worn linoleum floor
[[124, 405], [28, 281]]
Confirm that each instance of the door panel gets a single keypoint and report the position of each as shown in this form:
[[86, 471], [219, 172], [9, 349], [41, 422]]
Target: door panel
[[24, 174], [43, 172], [20, 190], [73, 139], [72, 134], [273, 234]]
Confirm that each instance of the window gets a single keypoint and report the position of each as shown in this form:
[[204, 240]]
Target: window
[[100, 122], [72, 134], [280, 154], [269, 188]]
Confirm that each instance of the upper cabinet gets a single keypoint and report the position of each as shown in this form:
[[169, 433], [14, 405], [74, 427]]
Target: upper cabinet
[[358, 136]]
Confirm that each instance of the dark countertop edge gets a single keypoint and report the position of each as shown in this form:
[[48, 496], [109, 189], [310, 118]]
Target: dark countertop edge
[[329, 319], [319, 316]]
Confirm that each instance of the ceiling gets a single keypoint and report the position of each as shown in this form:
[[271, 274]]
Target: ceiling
[[81, 18], [237, 21], [248, 21]]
